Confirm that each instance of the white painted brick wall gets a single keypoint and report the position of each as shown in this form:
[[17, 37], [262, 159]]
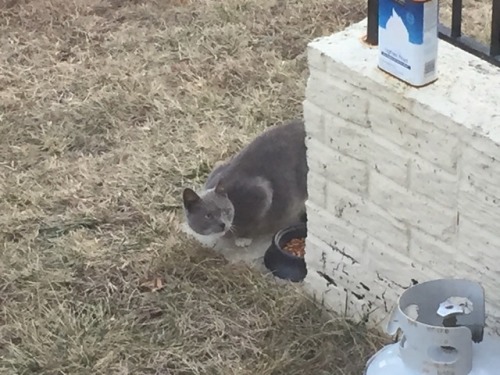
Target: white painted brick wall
[[404, 183]]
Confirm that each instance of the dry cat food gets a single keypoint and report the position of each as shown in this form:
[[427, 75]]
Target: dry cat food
[[296, 246]]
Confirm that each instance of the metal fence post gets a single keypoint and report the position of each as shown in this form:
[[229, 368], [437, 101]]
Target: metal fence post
[[456, 19], [372, 32], [495, 30]]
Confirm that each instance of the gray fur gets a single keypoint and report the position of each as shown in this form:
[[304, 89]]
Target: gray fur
[[261, 189]]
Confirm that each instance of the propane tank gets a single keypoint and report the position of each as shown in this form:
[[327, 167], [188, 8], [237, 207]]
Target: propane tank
[[443, 333]]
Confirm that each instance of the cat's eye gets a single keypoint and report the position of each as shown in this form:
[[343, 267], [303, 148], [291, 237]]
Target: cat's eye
[[208, 216]]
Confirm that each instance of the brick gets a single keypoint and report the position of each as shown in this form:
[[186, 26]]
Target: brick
[[411, 208], [479, 245], [336, 266], [390, 294], [316, 188], [361, 144], [315, 157], [478, 255], [444, 261], [334, 298], [316, 58], [346, 296], [481, 171], [326, 48], [395, 124], [313, 118], [423, 113], [332, 263], [432, 254], [389, 263], [339, 72], [316, 285], [433, 182], [335, 232], [319, 257], [338, 98], [316, 252], [345, 170], [490, 284], [483, 144], [483, 208], [357, 284], [322, 291], [365, 216]]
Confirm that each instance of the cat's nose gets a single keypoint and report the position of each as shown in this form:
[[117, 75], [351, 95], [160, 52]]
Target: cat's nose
[[222, 226]]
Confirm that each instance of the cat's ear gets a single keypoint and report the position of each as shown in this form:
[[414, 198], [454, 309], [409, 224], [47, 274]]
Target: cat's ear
[[220, 189], [190, 198]]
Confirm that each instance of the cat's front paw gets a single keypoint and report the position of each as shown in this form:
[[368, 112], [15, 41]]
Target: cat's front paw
[[242, 242]]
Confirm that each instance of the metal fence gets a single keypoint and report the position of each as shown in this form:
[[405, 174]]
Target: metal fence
[[453, 34]]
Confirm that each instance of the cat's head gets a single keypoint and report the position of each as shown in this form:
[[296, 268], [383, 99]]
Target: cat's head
[[210, 213]]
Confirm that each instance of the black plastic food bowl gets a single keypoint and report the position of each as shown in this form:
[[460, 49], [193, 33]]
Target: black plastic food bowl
[[280, 262]]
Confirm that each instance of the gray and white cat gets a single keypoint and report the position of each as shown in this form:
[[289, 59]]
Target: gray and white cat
[[261, 189]]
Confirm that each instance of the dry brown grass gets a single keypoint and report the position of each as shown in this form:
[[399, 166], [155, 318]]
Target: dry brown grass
[[476, 16], [108, 108]]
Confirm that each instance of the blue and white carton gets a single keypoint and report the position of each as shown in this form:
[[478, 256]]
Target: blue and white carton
[[408, 39]]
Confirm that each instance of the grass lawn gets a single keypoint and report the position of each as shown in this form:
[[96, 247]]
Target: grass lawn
[[107, 109]]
